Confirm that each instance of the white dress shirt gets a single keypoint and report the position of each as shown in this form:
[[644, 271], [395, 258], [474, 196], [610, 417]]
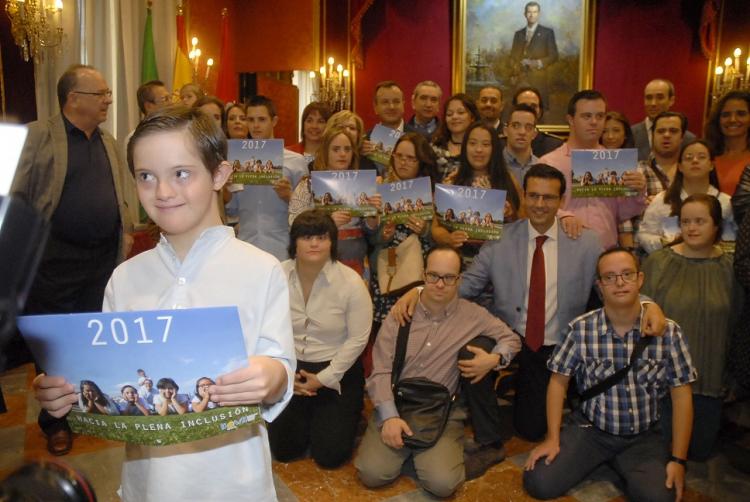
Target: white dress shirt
[[219, 270], [335, 323], [551, 334]]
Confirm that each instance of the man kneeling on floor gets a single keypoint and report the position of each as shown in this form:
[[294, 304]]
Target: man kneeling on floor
[[441, 327], [616, 422]]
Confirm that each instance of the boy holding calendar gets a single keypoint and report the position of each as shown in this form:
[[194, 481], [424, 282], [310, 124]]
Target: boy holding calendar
[[178, 158]]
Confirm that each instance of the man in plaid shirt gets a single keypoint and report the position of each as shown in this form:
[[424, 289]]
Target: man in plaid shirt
[[616, 426]]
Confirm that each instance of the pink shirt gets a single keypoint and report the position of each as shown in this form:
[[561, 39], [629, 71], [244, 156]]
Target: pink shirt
[[600, 214]]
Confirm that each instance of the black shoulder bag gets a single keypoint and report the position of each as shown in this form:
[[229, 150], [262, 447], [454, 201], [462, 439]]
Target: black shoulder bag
[[617, 377], [423, 404]]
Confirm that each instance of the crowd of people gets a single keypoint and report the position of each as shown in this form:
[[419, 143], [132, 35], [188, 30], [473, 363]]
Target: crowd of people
[[146, 399], [633, 298]]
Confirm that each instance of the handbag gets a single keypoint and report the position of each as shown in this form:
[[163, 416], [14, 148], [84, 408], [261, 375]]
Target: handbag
[[423, 404], [400, 268]]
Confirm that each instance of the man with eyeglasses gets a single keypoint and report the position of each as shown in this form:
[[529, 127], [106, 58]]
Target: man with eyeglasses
[[541, 280], [441, 327], [617, 425], [426, 104], [520, 131], [152, 96], [71, 172]]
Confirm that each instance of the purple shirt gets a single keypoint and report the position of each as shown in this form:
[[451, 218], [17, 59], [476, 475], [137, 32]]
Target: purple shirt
[[600, 214]]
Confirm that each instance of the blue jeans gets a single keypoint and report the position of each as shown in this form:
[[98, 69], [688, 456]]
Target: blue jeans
[[640, 460]]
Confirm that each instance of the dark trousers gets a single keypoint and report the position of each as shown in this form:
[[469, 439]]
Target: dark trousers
[[70, 279], [530, 402], [481, 399], [706, 425], [326, 423], [639, 459]]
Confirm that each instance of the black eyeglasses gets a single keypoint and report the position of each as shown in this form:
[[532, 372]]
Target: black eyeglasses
[[99, 94], [611, 278], [433, 278]]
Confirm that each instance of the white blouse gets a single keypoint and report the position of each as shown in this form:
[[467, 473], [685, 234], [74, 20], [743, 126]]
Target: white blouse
[[335, 323]]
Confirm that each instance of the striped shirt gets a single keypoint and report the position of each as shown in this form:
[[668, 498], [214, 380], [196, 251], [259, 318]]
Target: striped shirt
[[592, 351]]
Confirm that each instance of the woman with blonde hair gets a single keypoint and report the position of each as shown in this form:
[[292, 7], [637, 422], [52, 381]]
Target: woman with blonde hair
[[338, 151]]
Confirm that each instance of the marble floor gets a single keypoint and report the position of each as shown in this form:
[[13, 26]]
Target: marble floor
[[20, 440]]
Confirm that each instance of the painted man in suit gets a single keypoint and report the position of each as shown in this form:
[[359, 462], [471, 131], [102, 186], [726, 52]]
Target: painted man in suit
[[533, 51], [72, 173], [658, 97]]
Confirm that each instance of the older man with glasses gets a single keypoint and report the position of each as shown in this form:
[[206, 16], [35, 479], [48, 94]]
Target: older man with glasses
[[72, 173]]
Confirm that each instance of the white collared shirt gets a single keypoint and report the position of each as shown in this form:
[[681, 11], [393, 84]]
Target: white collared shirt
[[335, 323], [551, 331], [219, 270], [649, 133]]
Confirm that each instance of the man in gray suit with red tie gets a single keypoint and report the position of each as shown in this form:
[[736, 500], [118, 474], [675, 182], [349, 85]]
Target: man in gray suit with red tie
[[534, 50]]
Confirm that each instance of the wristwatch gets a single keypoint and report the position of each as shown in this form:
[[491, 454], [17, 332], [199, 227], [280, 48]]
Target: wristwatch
[[678, 460]]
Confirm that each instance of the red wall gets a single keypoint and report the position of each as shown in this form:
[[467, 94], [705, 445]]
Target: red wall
[[638, 41], [403, 41]]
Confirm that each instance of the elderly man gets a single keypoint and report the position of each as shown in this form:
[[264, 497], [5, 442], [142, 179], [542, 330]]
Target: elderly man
[[441, 327], [425, 100], [72, 173]]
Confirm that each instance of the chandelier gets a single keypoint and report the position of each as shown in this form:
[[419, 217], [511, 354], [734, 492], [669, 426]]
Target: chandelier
[[332, 86], [195, 58], [35, 25], [732, 76]]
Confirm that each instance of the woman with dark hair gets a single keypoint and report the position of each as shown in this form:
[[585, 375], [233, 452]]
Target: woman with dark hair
[[617, 132], [693, 282], [236, 122], [727, 132], [132, 403], [214, 108], [93, 400], [201, 400], [695, 174], [412, 158], [481, 165], [331, 317], [459, 112], [314, 119], [338, 152]]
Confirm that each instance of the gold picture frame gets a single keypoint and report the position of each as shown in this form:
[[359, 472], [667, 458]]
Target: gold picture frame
[[498, 56]]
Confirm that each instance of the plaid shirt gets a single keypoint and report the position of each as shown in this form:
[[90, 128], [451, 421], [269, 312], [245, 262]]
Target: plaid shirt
[[656, 181], [592, 351]]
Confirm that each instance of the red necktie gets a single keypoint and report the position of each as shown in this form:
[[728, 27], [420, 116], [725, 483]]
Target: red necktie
[[536, 307]]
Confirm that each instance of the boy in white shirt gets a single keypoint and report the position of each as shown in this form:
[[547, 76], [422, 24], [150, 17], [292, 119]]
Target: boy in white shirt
[[178, 156]]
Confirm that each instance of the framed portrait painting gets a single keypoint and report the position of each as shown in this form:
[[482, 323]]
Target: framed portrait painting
[[545, 44]]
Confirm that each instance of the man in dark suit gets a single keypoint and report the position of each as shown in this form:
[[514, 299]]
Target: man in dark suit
[[72, 173], [658, 97], [543, 143], [534, 50]]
